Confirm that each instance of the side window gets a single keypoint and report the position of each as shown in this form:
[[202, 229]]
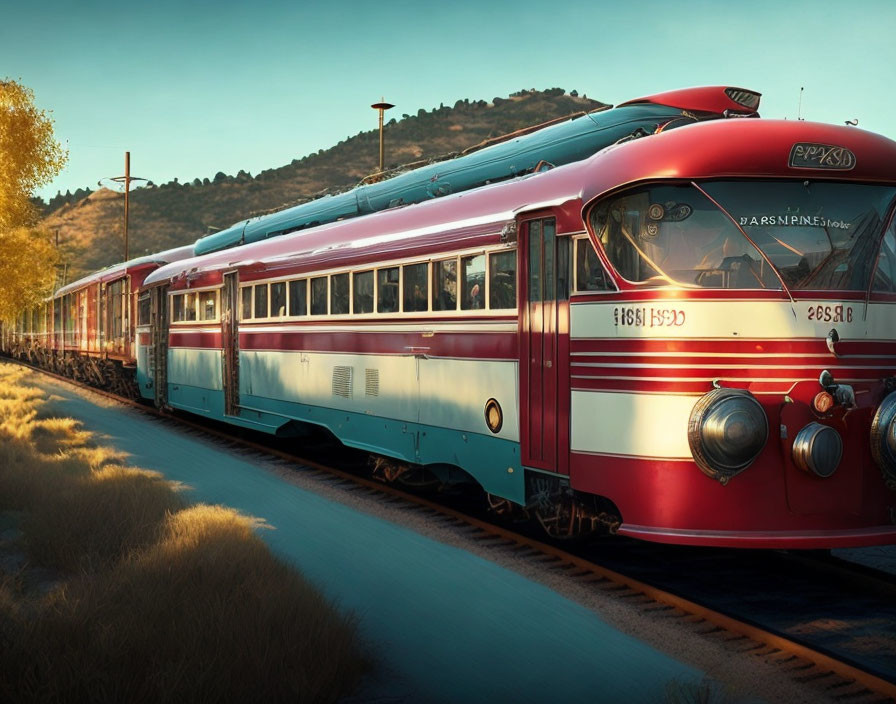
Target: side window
[[298, 297], [502, 280], [590, 274], [261, 301], [387, 290], [339, 294], [319, 296], [473, 282], [246, 303], [278, 299], [208, 305], [143, 310], [177, 308], [362, 292], [189, 306], [416, 287], [444, 285], [885, 274]]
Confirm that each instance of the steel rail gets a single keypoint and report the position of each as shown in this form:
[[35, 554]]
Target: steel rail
[[756, 633]]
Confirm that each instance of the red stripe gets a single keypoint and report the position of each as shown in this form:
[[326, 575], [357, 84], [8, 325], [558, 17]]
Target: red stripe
[[481, 345], [731, 346], [201, 340], [825, 362], [727, 373]]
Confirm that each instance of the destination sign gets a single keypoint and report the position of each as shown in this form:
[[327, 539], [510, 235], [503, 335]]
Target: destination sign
[[806, 155]]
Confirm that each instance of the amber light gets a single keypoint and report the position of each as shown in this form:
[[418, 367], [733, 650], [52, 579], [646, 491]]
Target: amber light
[[823, 402]]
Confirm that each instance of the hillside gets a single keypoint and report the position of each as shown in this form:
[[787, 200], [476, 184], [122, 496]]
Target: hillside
[[172, 214]]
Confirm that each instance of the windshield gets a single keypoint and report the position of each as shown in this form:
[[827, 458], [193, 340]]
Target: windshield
[[815, 235], [819, 235], [676, 236]]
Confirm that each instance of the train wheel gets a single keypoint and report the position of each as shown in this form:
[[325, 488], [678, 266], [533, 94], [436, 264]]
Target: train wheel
[[568, 518], [506, 508]]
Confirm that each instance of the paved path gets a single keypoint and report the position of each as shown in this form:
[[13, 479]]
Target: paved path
[[450, 626]]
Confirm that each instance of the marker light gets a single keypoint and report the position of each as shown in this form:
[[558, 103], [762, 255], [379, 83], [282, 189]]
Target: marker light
[[727, 430], [494, 417], [817, 449]]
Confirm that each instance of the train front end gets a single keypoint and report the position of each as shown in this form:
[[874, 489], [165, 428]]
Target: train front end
[[733, 373]]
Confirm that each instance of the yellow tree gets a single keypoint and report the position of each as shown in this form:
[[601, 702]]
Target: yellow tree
[[29, 158]]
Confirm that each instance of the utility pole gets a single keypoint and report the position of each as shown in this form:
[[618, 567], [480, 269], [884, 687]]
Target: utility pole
[[381, 106], [127, 191], [126, 180]]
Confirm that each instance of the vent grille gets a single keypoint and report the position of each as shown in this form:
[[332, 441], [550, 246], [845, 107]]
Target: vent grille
[[372, 382], [342, 381], [747, 98]]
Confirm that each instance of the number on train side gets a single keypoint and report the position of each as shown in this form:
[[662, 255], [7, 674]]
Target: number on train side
[[648, 317]]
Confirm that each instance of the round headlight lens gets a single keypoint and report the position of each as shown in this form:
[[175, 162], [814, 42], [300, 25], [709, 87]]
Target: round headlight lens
[[726, 432], [817, 449], [883, 439]]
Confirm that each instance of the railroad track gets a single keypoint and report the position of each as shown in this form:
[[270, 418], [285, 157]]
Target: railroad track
[[711, 612]]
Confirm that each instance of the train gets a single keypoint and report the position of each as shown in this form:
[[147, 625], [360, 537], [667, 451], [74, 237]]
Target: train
[[687, 336]]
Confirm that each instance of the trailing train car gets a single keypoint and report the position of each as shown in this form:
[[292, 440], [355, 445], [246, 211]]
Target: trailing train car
[[85, 329], [687, 338]]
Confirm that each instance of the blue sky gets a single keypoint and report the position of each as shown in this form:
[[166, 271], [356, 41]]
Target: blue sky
[[193, 88]]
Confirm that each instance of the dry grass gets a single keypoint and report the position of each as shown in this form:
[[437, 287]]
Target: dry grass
[[161, 602]]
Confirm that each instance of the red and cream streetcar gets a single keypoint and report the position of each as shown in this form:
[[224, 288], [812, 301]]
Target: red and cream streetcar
[[689, 337]]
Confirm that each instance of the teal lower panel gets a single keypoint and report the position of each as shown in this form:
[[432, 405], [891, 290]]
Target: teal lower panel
[[493, 462], [144, 383]]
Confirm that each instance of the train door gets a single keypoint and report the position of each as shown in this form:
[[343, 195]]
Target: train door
[[83, 312], [544, 346], [158, 340], [230, 334]]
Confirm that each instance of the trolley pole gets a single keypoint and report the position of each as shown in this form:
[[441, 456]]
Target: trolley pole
[[381, 106]]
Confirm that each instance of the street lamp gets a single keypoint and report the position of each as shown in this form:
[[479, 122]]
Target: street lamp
[[381, 106], [126, 180]]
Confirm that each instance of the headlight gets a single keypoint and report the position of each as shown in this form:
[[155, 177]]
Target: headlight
[[883, 439], [817, 449], [726, 431]]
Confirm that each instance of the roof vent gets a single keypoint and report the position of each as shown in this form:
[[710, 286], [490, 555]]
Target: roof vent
[[747, 98]]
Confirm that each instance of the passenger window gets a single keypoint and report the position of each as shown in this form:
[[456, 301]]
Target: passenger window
[[190, 306], [473, 289], [319, 296], [143, 310], [416, 288], [278, 299], [261, 301], [387, 290], [444, 285], [247, 303], [208, 305], [339, 294], [362, 292], [502, 280], [177, 314], [298, 297]]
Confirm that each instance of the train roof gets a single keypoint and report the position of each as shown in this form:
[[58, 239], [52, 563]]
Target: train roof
[[116, 271], [747, 147], [716, 149], [560, 142]]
